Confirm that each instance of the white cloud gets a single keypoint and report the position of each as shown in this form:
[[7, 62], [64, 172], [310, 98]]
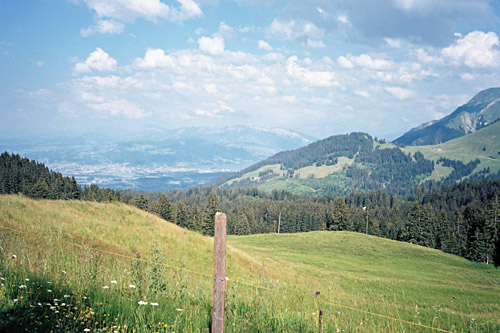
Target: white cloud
[[308, 77], [119, 107], [476, 50], [467, 76], [263, 45], [364, 61], [394, 43], [97, 60], [104, 27], [211, 88], [39, 63], [214, 110], [291, 30], [155, 58], [344, 62], [343, 19], [401, 93], [113, 13], [213, 46], [225, 31], [315, 44], [361, 93]]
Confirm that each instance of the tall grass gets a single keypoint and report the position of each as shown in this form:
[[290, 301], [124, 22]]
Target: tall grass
[[48, 283]]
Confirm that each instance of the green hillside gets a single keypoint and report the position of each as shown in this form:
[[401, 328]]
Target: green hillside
[[74, 263], [483, 145], [355, 162]]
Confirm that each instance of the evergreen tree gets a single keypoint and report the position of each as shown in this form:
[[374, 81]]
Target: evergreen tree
[[141, 202], [491, 229], [163, 208], [211, 208], [340, 217], [241, 225], [40, 190]]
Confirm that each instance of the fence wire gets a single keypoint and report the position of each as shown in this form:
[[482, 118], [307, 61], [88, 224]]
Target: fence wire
[[251, 285]]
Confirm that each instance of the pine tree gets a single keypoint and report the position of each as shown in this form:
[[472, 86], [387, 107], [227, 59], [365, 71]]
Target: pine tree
[[241, 225], [141, 202], [40, 190], [491, 229], [212, 207], [163, 208], [340, 217]]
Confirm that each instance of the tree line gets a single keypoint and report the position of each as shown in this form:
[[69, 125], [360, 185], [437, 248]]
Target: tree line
[[458, 218]]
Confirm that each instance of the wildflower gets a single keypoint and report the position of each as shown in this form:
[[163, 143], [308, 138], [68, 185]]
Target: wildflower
[[27, 279], [105, 287], [338, 312], [64, 271], [143, 303], [179, 309], [320, 312], [154, 304], [48, 282], [1, 278], [66, 296], [87, 330], [317, 292], [86, 261], [56, 300], [113, 281], [49, 291], [131, 286], [22, 286]]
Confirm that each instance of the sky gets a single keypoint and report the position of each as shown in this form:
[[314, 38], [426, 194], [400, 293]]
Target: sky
[[319, 67]]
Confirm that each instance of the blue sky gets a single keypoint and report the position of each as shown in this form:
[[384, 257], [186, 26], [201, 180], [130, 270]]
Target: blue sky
[[319, 67]]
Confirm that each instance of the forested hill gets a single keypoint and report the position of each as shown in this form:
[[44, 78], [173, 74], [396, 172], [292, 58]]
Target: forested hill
[[350, 163], [481, 111], [34, 179]]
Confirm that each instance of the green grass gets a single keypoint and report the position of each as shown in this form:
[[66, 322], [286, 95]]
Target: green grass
[[352, 270], [468, 148]]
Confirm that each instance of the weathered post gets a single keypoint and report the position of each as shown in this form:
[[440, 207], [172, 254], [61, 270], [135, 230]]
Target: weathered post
[[219, 273]]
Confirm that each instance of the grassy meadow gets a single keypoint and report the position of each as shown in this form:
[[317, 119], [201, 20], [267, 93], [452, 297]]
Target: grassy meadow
[[82, 266]]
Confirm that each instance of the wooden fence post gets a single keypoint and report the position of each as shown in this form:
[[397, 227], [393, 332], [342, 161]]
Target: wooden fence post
[[219, 273]]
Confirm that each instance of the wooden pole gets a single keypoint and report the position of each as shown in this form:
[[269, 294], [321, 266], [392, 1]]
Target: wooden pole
[[279, 223], [219, 273]]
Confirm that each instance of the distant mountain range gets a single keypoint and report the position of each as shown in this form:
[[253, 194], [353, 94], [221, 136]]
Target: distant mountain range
[[482, 110], [157, 158]]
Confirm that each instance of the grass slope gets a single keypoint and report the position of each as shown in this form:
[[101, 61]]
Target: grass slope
[[468, 148], [395, 279]]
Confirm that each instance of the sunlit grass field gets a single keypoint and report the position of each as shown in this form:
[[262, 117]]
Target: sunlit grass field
[[81, 266]]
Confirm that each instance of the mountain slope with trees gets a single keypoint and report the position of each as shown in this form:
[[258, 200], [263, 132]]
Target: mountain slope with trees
[[356, 162]]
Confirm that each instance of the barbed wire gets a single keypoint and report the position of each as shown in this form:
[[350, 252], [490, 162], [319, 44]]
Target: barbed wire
[[248, 284]]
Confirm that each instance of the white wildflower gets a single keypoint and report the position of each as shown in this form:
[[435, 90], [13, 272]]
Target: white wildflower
[[143, 303], [179, 309], [154, 304], [105, 287], [49, 291], [22, 286], [131, 286], [113, 281]]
